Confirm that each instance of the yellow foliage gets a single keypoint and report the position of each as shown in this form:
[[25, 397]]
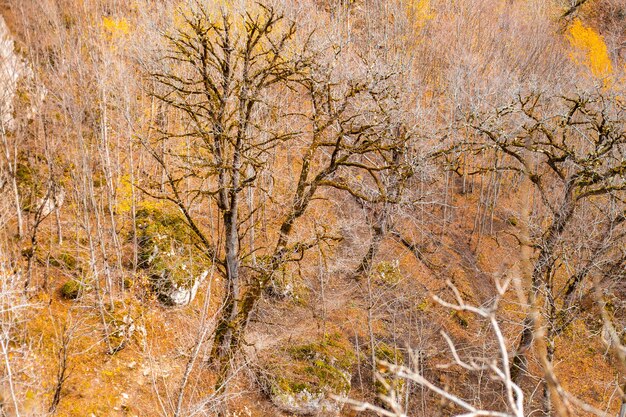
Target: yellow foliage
[[419, 13], [124, 198], [124, 194], [214, 13], [115, 28], [589, 49]]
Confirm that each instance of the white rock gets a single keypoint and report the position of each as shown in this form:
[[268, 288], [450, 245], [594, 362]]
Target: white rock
[[319, 403], [51, 202], [12, 69], [307, 403], [180, 296]]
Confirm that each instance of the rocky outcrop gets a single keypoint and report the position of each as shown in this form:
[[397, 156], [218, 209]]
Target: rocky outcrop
[[16, 80], [321, 401], [12, 68], [310, 379], [307, 403], [51, 202], [168, 255], [174, 294]]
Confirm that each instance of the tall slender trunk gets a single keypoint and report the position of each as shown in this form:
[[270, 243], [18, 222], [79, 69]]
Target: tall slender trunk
[[225, 344], [547, 394], [519, 364], [4, 344], [18, 207]]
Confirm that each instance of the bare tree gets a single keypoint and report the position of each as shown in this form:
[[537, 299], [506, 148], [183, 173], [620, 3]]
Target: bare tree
[[63, 366], [571, 149], [230, 74]]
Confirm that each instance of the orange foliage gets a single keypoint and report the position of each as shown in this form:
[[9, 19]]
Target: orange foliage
[[589, 49]]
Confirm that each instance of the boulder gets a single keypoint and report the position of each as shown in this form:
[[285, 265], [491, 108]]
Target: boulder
[[51, 202], [306, 379], [175, 294], [169, 256], [307, 403]]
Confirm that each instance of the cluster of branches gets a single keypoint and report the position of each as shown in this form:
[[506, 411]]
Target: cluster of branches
[[569, 151], [496, 366], [262, 123], [233, 78], [250, 91]]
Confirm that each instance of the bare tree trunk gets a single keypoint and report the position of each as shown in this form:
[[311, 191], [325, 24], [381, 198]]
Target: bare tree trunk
[[63, 371], [370, 325], [4, 343], [224, 341], [547, 393], [519, 364], [18, 207], [85, 195]]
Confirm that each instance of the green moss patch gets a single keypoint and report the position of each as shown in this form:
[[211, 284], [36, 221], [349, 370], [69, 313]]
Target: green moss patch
[[72, 289], [167, 250], [318, 367], [386, 381], [388, 273]]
